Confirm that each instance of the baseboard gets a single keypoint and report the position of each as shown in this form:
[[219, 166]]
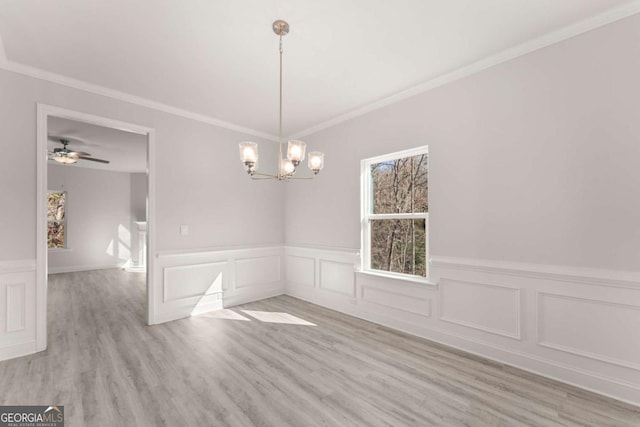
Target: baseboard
[[77, 268], [18, 350]]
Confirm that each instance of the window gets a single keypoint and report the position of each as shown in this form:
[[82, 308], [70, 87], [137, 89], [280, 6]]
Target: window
[[56, 220], [395, 213]]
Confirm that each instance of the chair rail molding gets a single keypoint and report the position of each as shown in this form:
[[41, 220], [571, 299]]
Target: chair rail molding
[[582, 275]]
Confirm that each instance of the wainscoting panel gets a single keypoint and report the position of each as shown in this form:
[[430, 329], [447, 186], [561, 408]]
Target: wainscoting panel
[[394, 299], [337, 277], [254, 271], [584, 327], [190, 281], [576, 325], [301, 270], [198, 282], [323, 276], [17, 308], [489, 308]]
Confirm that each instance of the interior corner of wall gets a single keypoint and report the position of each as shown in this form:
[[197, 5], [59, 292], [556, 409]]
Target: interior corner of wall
[[3, 55]]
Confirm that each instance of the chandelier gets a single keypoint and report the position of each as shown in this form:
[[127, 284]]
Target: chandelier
[[295, 149]]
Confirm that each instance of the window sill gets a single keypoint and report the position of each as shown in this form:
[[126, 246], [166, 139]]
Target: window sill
[[402, 278], [59, 250]]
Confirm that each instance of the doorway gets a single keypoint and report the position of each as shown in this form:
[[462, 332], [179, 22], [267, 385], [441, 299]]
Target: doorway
[[132, 242]]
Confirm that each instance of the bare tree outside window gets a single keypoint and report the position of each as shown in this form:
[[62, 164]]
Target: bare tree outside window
[[397, 215], [56, 219]]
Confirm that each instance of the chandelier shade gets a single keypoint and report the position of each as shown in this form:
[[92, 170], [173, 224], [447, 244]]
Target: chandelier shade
[[316, 161], [296, 149]]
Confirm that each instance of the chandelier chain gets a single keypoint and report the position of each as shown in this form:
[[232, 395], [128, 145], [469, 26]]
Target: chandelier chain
[[280, 118]]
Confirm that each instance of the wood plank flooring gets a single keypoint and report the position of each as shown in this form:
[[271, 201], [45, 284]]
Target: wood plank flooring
[[277, 362]]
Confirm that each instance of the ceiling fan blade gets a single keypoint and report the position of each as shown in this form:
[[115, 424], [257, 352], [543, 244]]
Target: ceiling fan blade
[[79, 153], [68, 139], [93, 160]]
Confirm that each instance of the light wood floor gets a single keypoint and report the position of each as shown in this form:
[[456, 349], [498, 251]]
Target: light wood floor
[[230, 369]]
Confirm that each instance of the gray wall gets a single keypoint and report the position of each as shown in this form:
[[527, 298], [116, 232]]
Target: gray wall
[[535, 160], [98, 218], [139, 197], [200, 181]]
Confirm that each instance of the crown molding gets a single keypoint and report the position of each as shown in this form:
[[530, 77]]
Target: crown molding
[[551, 38], [40, 74], [548, 39]]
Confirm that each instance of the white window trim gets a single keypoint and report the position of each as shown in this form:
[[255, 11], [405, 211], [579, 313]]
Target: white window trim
[[65, 248], [366, 216]]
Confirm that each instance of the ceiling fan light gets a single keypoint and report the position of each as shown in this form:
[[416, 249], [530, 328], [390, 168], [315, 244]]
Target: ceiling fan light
[[67, 160]]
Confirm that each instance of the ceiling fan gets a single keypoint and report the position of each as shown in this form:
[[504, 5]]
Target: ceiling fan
[[67, 156]]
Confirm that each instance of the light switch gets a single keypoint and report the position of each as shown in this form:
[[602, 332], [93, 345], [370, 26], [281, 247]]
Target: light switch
[[184, 229]]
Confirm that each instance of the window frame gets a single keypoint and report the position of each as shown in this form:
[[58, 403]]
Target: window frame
[[65, 246], [367, 215]]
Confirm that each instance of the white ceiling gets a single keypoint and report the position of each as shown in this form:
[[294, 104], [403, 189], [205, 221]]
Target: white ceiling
[[219, 58], [126, 151]]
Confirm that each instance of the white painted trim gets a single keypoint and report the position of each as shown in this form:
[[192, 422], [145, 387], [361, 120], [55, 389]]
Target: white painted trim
[[125, 97], [607, 377], [18, 350], [189, 253], [591, 276], [42, 250], [427, 301], [578, 352], [557, 36], [151, 227], [17, 266], [165, 280], [77, 268], [43, 113], [477, 326], [324, 250], [366, 216], [398, 276], [411, 152], [231, 294], [21, 289], [59, 250], [351, 292]]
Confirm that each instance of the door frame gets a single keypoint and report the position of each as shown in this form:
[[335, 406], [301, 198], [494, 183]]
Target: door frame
[[45, 111]]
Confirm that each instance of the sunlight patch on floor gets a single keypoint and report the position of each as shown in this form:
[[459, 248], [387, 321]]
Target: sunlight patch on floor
[[226, 314], [276, 317]]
